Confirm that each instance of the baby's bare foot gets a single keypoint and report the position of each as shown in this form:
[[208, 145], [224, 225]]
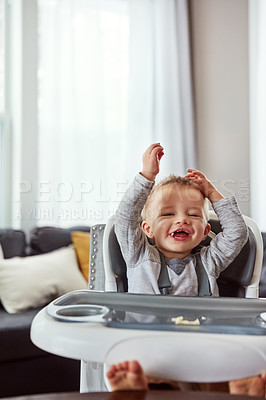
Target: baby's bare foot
[[253, 386], [127, 375]]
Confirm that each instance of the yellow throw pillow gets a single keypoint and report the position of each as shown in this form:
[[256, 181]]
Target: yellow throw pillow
[[81, 242]]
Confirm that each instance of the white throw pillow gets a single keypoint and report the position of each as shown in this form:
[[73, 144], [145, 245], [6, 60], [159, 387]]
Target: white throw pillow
[[34, 281]]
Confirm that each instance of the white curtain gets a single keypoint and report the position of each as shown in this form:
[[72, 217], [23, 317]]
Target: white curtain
[[114, 76], [257, 26]]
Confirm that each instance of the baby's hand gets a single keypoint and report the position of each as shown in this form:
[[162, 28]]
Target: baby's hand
[[205, 186], [151, 161]]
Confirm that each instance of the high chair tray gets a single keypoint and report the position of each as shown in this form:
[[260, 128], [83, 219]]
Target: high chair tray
[[163, 313]]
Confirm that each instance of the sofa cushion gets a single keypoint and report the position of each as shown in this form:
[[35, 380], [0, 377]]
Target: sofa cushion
[[15, 336], [13, 243], [30, 282], [47, 238]]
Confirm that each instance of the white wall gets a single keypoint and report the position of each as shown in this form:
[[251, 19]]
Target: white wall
[[220, 68]]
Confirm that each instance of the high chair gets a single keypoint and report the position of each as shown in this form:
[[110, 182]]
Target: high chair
[[228, 342]]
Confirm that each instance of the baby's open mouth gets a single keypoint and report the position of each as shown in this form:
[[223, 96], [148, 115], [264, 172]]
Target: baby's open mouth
[[179, 234]]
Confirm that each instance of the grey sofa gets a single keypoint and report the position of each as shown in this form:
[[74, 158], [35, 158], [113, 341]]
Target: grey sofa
[[24, 368]]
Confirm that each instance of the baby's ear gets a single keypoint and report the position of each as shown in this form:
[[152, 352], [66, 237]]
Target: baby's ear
[[206, 230], [147, 229]]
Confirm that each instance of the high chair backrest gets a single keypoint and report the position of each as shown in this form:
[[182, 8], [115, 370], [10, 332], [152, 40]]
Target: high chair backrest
[[239, 279]]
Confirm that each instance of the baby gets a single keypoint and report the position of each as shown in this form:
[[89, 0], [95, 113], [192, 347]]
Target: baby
[[163, 224]]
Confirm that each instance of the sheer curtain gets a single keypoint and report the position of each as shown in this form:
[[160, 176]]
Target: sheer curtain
[[114, 76], [257, 24]]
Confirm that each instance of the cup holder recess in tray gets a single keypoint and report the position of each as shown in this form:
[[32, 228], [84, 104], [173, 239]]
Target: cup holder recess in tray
[[69, 308]]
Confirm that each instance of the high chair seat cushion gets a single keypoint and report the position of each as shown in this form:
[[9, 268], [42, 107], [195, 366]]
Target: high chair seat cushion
[[232, 280]]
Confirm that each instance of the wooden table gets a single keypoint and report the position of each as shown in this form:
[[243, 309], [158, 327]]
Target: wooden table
[[152, 395]]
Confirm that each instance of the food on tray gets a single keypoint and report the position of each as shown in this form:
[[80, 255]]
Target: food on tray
[[181, 321]]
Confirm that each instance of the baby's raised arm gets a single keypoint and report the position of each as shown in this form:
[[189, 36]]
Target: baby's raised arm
[[151, 161], [206, 187]]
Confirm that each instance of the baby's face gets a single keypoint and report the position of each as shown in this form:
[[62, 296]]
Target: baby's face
[[176, 220]]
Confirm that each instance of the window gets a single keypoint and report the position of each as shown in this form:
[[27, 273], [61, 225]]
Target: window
[[111, 81], [82, 108], [92, 84], [2, 56], [4, 138]]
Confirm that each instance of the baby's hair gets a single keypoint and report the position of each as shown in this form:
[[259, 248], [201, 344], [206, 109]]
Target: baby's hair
[[170, 180]]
